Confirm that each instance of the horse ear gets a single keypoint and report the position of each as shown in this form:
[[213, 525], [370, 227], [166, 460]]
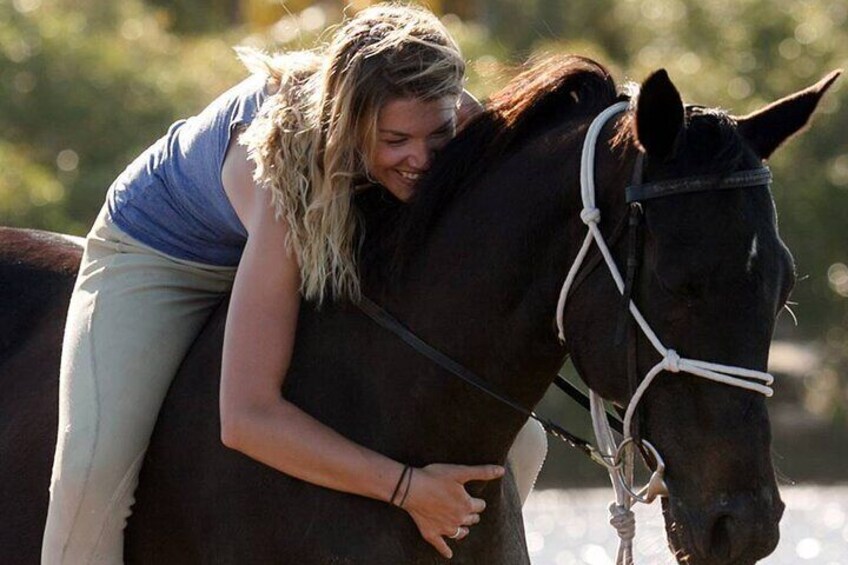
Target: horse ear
[[766, 129], [659, 116]]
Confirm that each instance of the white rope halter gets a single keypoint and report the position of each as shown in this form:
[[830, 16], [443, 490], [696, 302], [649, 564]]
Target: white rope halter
[[617, 458]]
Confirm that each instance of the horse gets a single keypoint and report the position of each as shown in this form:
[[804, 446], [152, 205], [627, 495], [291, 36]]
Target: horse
[[473, 266]]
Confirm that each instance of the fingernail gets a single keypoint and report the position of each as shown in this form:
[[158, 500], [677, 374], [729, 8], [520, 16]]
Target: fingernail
[[499, 471]]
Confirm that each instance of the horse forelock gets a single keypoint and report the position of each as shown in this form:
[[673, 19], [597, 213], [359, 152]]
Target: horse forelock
[[553, 89], [711, 142], [715, 144]]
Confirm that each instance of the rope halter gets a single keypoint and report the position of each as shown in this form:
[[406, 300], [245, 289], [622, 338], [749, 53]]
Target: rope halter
[[619, 458]]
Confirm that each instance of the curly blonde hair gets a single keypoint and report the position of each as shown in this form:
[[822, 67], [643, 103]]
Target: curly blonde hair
[[313, 139]]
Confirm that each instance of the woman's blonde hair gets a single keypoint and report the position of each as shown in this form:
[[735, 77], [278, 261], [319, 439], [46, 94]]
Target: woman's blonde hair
[[312, 140]]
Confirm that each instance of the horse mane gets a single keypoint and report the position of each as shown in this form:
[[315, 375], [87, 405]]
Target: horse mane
[[553, 89]]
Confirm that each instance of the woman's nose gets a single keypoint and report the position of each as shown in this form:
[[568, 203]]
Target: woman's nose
[[420, 156]]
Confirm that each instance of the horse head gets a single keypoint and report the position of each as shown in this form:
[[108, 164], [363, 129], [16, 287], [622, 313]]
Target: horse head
[[712, 276]]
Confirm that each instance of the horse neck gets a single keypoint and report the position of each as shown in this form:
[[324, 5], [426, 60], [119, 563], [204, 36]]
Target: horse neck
[[485, 287]]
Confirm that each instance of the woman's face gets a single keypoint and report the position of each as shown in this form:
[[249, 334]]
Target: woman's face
[[409, 132]]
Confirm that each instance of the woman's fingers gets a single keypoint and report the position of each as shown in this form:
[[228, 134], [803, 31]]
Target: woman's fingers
[[442, 508], [458, 534], [471, 519], [441, 546], [464, 474]]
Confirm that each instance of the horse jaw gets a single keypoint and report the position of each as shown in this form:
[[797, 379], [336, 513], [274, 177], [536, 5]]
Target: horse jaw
[[766, 129]]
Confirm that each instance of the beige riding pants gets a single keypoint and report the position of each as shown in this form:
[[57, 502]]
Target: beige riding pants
[[133, 315]]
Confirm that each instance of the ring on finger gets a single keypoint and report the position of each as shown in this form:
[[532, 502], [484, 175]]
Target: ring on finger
[[457, 533]]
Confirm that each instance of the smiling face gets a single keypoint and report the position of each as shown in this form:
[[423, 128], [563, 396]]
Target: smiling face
[[409, 132]]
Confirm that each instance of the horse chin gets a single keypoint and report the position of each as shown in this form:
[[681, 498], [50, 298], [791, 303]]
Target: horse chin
[[696, 539]]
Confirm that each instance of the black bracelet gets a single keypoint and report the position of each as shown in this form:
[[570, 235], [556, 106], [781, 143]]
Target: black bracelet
[[408, 484], [399, 483]]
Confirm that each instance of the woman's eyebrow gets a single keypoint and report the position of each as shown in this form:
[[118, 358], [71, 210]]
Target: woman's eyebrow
[[444, 126]]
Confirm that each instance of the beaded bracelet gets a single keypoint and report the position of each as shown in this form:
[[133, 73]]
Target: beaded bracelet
[[403, 473], [408, 484]]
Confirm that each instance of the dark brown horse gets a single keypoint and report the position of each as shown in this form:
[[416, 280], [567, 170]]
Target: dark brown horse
[[474, 267]]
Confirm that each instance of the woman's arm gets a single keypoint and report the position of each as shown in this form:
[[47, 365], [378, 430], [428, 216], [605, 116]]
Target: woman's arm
[[258, 421]]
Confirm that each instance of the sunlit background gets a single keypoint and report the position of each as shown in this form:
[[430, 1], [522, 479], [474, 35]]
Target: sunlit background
[[87, 84]]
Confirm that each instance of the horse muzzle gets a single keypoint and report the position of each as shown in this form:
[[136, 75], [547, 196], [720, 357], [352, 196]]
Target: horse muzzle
[[734, 529]]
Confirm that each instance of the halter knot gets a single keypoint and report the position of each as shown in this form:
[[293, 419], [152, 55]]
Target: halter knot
[[590, 216], [623, 520], [672, 361]]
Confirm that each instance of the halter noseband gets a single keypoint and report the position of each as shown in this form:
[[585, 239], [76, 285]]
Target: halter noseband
[[618, 458]]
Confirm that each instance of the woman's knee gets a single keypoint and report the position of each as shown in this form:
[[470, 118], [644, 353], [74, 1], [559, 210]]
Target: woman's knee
[[527, 455]]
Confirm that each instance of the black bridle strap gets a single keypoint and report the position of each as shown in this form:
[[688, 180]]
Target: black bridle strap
[[742, 179], [635, 194], [388, 322], [634, 244], [580, 398]]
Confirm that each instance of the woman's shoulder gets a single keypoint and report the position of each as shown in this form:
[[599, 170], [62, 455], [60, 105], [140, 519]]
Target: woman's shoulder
[[280, 141]]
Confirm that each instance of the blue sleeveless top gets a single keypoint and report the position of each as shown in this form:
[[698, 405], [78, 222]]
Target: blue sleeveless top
[[171, 197]]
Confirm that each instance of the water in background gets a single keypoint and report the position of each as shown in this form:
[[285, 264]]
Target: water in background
[[569, 527]]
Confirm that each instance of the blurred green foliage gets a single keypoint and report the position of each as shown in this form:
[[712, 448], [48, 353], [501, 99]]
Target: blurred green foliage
[[85, 85], [81, 95]]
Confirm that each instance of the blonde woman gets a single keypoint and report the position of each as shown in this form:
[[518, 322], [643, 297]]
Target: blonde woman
[[252, 196]]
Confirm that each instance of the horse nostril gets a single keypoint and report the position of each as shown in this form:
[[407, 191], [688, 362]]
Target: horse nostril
[[721, 544]]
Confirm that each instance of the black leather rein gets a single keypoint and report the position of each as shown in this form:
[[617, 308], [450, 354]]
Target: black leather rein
[[390, 323]]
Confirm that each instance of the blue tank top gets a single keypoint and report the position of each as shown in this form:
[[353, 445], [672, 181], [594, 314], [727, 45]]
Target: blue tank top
[[172, 198]]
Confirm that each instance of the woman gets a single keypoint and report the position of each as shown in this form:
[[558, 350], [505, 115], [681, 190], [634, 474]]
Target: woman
[[257, 202]]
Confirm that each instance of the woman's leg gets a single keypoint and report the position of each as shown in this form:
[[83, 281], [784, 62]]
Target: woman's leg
[[526, 456], [132, 317]]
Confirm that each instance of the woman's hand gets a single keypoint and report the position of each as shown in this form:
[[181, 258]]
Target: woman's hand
[[440, 505]]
